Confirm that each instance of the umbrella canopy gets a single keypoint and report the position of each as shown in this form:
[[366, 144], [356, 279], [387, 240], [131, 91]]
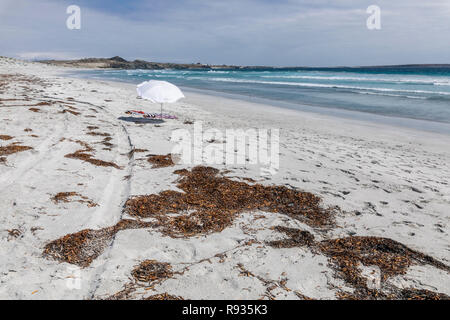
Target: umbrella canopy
[[159, 91]]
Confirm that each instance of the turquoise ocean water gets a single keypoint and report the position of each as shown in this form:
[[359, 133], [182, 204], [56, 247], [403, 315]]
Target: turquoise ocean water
[[394, 93]]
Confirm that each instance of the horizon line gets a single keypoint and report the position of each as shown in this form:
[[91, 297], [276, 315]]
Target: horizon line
[[246, 66]]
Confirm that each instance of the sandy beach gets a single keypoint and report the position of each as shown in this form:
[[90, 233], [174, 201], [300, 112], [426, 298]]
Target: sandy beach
[[82, 203]]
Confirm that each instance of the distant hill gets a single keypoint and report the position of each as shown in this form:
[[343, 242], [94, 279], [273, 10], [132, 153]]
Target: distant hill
[[120, 63]]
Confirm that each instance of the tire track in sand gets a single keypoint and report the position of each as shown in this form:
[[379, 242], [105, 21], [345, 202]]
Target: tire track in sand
[[42, 151], [116, 193]]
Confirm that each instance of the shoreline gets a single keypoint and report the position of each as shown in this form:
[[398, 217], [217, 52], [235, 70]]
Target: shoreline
[[87, 159], [426, 126], [205, 99], [352, 117], [120, 63]]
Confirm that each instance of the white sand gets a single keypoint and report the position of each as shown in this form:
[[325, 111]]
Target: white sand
[[389, 182]]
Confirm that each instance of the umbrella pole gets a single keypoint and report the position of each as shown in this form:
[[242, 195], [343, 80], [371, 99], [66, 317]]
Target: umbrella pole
[[161, 109]]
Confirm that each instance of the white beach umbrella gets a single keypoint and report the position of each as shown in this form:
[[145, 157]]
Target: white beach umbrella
[[159, 92]]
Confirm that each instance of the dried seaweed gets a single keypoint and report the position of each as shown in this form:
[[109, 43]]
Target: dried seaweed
[[106, 142], [84, 155], [163, 296], [160, 161], [44, 103], [14, 233], [75, 113], [64, 197], [297, 238], [392, 257], [5, 137], [347, 254], [13, 148], [152, 270], [415, 294], [393, 294], [22, 80], [210, 203], [102, 134], [82, 247], [269, 284]]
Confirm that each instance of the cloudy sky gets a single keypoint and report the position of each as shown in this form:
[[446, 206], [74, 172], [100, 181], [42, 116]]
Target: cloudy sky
[[243, 32]]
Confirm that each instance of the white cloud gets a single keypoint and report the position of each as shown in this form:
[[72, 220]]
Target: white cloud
[[289, 32]]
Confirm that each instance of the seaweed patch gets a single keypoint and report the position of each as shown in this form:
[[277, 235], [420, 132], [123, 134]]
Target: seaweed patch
[[210, 203]]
